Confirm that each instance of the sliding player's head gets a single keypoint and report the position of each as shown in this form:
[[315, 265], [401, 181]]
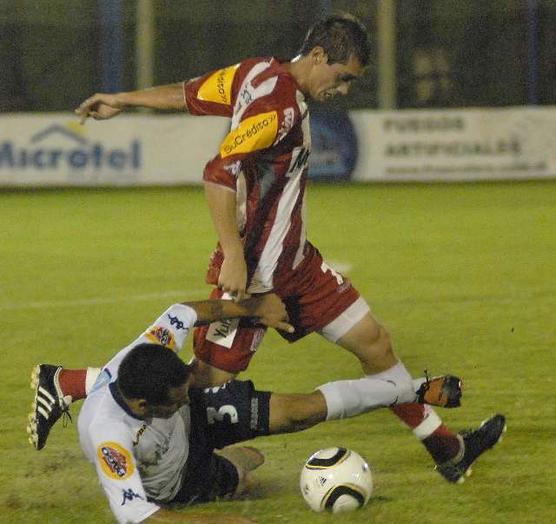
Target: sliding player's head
[[154, 381], [337, 49]]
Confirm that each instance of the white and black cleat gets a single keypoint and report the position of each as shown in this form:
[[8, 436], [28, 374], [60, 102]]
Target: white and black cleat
[[474, 444], [48, 405]]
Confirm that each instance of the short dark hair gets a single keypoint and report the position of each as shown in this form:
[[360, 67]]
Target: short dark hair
[[148, 371], [340, 35]]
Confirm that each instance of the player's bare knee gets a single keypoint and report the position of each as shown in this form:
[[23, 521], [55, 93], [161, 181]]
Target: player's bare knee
[[205, 375], [243, 484], [248, 484], [377, 344], [385, 343]]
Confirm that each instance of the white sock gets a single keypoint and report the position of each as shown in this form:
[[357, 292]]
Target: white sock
[[90, 379], [347, 398], [431, 422]]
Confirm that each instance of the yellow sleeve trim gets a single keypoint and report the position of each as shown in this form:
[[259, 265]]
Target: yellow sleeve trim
[[253, 133], [218, 86]]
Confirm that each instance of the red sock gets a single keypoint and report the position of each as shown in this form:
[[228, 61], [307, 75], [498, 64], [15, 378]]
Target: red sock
[[411, 414], [72, 382], [442, 444]]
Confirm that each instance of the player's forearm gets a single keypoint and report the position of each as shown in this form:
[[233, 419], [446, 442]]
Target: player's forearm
[[212, 310], [168, 97], [222, 205]]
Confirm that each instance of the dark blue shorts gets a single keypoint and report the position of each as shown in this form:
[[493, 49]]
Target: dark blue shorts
[[220, 416]]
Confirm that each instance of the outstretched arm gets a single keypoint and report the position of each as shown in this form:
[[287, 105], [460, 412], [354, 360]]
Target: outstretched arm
[[269, 309], [102, 106]]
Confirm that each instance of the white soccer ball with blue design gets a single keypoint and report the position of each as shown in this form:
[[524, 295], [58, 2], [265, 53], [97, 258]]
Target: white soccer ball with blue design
[[336, 480]]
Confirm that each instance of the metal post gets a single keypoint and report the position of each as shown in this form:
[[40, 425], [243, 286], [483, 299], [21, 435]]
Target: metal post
[[324, 9], [144, 44], [111, 45], [532, 52], [386, 40]]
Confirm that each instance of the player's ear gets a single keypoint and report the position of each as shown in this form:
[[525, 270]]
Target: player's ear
[[318, 55], [140, 406]]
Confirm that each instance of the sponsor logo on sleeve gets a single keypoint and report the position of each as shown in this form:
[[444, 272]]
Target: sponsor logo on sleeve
[[161, 335], [287, 123], [115, 460], [139, 434], [218, 87], [253, 133]]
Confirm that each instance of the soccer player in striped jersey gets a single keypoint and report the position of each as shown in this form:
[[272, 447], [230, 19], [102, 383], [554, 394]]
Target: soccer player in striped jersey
[[255, 187]]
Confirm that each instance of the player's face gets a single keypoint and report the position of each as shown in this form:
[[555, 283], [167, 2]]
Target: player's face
[[330, 80], [177, 397]]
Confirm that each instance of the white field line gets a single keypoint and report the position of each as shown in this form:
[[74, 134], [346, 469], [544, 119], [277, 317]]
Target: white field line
[[182, 295]]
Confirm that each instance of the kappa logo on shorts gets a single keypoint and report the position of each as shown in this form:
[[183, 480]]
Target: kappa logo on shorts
[[161, 335], [223, 332], [254, 421], [115, 460]]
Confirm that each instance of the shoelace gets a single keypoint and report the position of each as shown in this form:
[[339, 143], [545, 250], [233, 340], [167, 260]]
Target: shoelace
[[66, 416], [425, 386]]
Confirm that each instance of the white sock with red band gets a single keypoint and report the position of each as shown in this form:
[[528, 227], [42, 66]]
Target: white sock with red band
[[92, 375], [347, 398], [431, 422]]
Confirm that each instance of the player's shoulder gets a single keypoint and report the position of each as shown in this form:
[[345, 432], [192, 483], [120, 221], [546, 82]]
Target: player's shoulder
[[264, 76], [262, 67]]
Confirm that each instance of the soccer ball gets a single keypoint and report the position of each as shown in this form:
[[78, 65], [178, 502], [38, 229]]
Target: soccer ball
[[336, 480]]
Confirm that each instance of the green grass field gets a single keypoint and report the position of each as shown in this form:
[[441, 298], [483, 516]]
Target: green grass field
[[464, 276]]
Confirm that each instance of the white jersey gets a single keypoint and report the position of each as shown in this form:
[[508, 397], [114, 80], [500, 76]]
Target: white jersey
[[137, 461]]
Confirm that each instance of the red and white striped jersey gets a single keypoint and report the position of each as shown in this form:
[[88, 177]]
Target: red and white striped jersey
[[263, 159]]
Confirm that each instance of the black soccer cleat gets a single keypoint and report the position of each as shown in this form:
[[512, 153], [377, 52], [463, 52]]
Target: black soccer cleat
[[443, 391], [475, 443], [49, 404]]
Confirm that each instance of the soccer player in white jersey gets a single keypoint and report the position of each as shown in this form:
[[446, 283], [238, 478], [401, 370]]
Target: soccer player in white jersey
[[255, 187], [152, 438], [136, 426]]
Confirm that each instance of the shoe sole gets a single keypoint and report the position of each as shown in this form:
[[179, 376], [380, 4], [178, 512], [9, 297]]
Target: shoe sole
[[35, 377], [31, 418]]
